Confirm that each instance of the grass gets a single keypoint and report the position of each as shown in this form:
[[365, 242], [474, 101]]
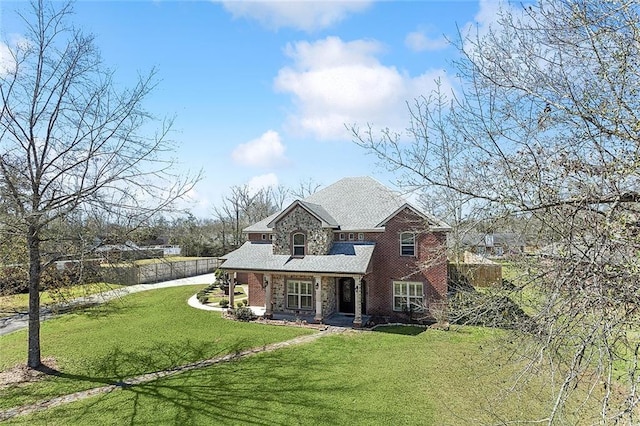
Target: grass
[[139, 333], [398, 375], [20, 302], [401, 376]]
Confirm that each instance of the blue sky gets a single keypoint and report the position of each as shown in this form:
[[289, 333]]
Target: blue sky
[[261, 91]]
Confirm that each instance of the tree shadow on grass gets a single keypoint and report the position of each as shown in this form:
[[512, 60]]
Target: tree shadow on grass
[[403, 330], [259, 391], [281, 387]]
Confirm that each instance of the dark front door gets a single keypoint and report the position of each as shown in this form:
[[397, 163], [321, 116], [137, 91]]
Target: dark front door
[[346, 295]]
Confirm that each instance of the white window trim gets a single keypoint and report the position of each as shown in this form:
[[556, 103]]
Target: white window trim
[[417, 300], [361, 236], [402, 245], [351, 236], [299, 295], [341, 236], [264, 236]]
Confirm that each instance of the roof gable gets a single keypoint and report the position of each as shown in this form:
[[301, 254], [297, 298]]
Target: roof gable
[[314, 210], [352, 204], [434, 223]]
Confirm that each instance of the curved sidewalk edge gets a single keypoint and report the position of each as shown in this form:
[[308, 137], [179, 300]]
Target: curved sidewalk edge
[[195, 303], [18, 322]]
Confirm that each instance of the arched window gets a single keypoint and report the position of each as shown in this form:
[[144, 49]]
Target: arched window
[[407, 244], [298, 244]]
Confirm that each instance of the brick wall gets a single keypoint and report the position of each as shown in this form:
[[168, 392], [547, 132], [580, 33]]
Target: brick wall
[[428, 267], [256, 293]]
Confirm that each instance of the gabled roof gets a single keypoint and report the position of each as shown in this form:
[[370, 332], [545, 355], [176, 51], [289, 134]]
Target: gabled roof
[[354, 204], [435, 223], [343, 258], [315, 210]]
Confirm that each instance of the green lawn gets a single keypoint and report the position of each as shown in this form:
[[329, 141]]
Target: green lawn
[[20, 302], [399, 375], [139, 333], [375, 378]]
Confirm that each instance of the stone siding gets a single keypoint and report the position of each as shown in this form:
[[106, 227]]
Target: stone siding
[[318, 239], [280, 294], [329, 301]]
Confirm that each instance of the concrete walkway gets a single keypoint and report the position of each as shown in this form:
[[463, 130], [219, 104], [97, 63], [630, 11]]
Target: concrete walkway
[[20, 321]]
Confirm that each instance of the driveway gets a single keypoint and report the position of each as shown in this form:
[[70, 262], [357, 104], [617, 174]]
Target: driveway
[[20, 321]]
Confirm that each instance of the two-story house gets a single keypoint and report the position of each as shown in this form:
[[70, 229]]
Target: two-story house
[[355, 248]]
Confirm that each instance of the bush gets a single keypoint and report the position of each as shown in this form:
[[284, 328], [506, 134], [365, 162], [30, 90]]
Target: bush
[[244, 313], [224, 303], [245, 302], [240, 304], [13, 280]]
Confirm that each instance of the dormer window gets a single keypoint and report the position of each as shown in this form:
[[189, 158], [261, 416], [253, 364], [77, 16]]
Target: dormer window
[[407, 244], [299, 245]]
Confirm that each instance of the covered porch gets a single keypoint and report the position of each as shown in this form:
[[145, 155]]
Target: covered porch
[[314, 287]]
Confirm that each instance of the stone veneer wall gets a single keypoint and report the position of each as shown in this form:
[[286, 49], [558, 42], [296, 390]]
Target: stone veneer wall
[[328, 296], [279, 293], [318, 239]]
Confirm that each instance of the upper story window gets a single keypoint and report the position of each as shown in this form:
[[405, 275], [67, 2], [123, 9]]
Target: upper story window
[[407, 244], [299, 241]]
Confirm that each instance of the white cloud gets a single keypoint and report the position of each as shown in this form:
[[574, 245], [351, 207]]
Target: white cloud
[[306, 15], [266, 151], [334, 83], [418, 41], [487, 21], [7, 62], [257, 183]]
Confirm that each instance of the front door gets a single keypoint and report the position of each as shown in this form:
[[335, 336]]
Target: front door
[[346, 295]]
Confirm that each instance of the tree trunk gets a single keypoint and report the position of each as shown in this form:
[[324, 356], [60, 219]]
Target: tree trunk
[[34, 360]]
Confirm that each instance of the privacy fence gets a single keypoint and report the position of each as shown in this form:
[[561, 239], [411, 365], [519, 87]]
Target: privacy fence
[[476, 274], [163, 270]]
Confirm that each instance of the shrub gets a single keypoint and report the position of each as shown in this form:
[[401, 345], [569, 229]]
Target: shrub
[[245, 302], [240, 304], [224, 303], [202, 297], [244, 313]]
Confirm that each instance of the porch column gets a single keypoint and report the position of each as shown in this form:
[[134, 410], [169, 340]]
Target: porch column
[[357, 321], [318, 286], [268, 291], [232, 287]]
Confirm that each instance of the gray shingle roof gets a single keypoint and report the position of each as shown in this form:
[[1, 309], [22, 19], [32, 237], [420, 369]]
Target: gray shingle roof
[[355, 204], [343, 258], [315, 209]]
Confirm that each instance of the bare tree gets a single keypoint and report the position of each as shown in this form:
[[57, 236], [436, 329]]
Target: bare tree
[[305, 188], [71, 141], [545, 128]]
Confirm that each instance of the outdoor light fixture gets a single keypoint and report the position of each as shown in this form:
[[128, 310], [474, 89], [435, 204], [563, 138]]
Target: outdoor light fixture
[[265, 283]]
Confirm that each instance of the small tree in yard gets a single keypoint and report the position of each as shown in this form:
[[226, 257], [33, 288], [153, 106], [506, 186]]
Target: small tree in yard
[[546, 129], [71, 142]]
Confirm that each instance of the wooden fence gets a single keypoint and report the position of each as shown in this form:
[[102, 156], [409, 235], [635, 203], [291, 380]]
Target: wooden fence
[[477, 274], [163, 270]]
